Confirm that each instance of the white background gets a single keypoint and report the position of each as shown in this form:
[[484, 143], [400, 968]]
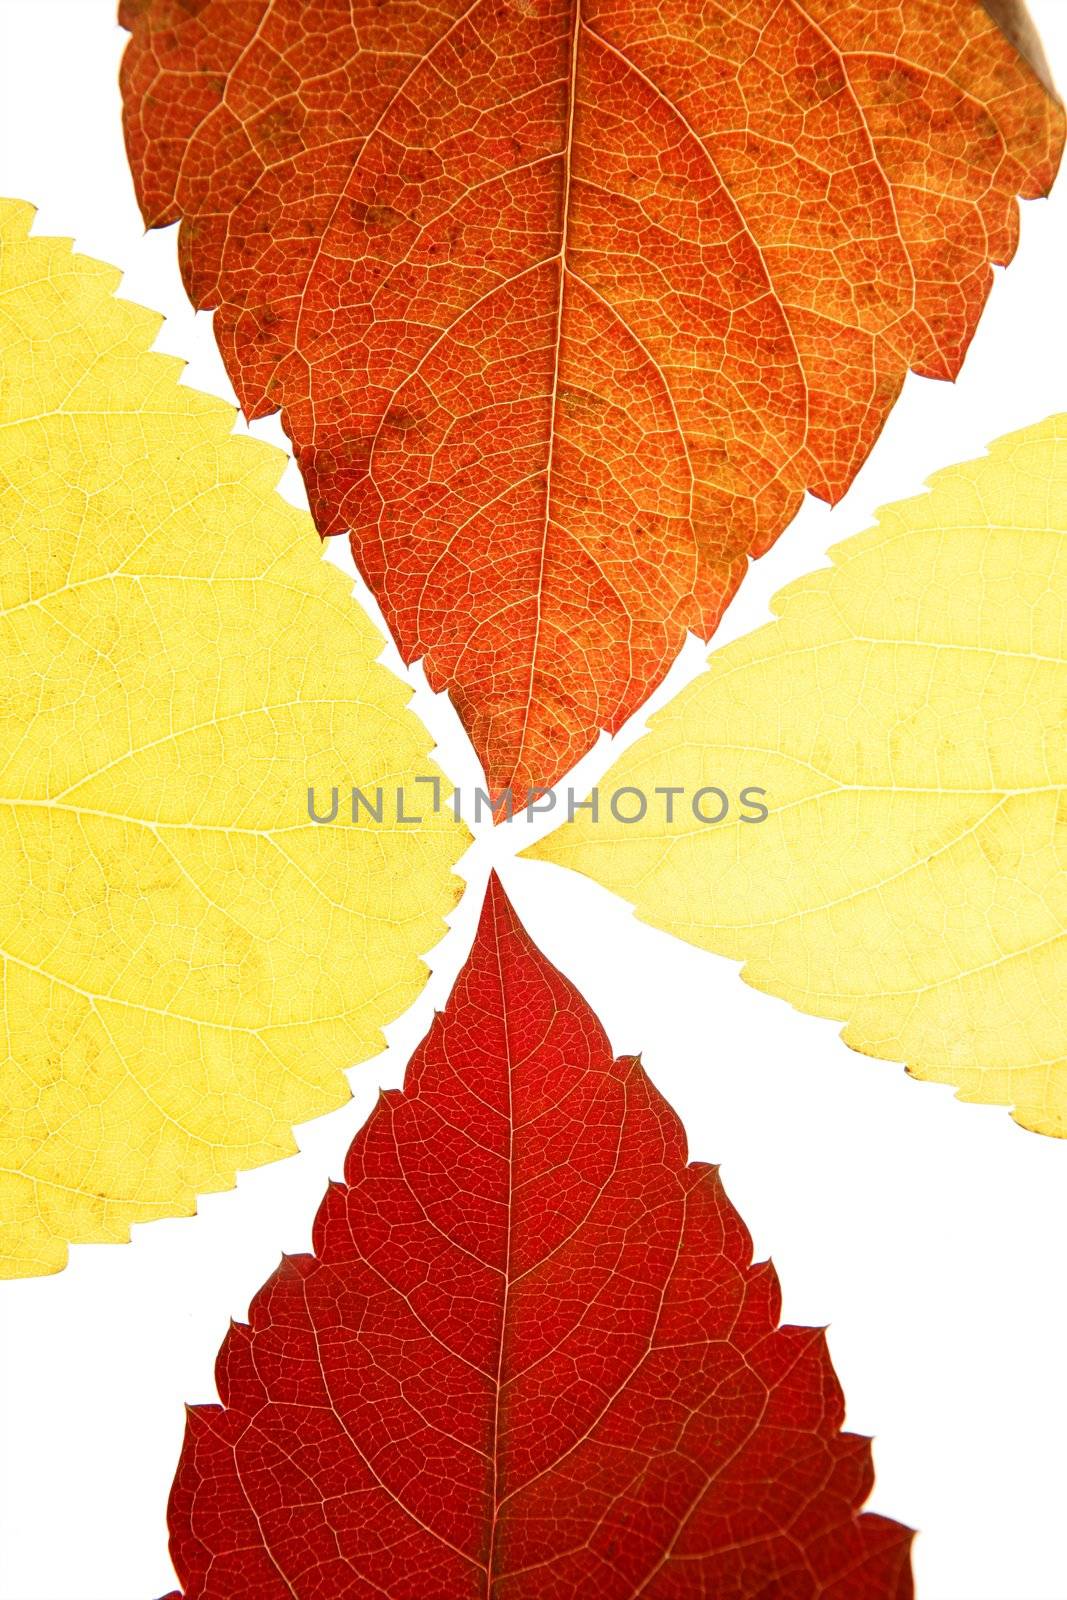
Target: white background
[[929, 1235]]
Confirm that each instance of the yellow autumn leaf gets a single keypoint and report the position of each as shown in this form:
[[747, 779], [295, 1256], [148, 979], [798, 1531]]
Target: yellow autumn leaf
[[189, 962], [907, 716]]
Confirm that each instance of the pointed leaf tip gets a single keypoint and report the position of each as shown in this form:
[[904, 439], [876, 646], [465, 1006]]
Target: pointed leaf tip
[[560, 371], [530, 1355], [190, 963], [907, 880]]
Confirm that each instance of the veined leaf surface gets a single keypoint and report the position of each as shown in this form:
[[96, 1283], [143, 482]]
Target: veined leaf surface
[[566, 302], [189, 963], [907, 717], [529, 1358]]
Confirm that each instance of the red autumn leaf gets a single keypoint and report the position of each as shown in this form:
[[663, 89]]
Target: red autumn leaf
[[529, 1356], [566, 302]]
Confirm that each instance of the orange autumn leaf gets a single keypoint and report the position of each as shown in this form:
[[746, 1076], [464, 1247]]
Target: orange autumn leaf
[[566, 302]]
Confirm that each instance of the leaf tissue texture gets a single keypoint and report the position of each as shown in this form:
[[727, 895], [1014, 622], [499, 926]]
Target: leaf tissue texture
[[566, 302], [189, 962], [529, 1357], [906, 716]]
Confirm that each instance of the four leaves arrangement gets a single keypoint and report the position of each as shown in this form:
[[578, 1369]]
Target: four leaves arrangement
[[565, 303]]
